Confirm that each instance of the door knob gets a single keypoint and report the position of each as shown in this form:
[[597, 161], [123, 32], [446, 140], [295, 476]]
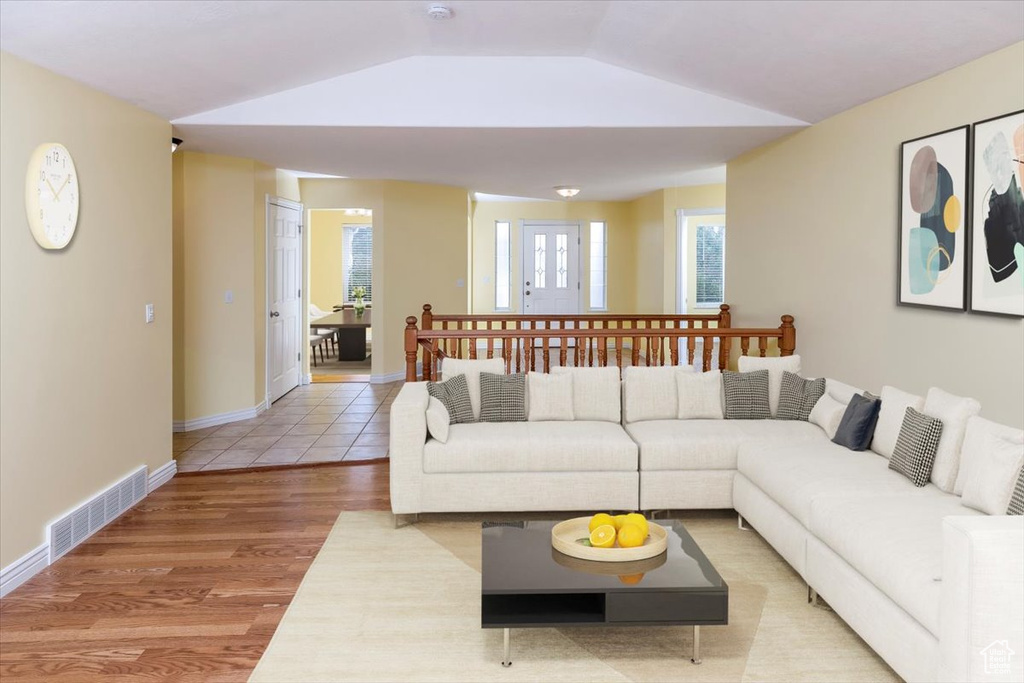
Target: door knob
[[274, 314], [527, 292]]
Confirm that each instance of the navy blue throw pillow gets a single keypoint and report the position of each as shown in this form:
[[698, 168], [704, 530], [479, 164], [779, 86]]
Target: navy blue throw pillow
[[858, 423]]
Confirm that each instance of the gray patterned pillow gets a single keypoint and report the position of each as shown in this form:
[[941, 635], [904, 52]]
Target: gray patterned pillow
[[502, 397], [914, 454], [454, 394], [746, 395], [798, 396], [1016, 506]]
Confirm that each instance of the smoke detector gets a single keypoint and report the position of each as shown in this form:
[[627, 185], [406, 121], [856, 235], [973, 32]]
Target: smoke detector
[[440, 12]]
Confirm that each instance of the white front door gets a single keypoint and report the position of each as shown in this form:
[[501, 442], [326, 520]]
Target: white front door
[[284, 251], [551, 268]]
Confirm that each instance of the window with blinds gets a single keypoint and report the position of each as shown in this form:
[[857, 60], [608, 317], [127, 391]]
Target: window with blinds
[[502, 266], [710, 266], [357, 256]]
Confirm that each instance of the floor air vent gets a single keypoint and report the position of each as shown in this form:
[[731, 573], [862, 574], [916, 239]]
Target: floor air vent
[[94, 514]]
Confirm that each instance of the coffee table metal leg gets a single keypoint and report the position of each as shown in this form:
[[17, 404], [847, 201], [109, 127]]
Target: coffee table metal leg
[[696, 645], [507, 662]]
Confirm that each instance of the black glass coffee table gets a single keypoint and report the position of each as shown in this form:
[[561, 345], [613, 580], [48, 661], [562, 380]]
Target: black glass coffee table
[[529, 584]]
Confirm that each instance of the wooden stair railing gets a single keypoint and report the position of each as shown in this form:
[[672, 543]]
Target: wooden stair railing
[[586, 340]]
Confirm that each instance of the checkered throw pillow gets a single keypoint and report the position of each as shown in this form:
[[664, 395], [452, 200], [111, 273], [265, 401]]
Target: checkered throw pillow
[[454, 394], [502, 397], [914, 454], [746, 395], [1016, 506], [798, 396]]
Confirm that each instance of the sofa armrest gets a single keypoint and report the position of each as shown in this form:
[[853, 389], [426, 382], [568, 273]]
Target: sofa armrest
[[408, 434], [982, 608]]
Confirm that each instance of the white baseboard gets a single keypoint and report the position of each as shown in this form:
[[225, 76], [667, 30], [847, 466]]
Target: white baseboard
[[222, 418], [306, 379], [394, 376], [161, 475], [23, 569]]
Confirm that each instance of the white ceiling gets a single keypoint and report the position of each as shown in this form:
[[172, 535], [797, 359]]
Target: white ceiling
[[695, 64]]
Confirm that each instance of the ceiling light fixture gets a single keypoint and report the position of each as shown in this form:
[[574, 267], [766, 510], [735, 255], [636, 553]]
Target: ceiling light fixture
[[440, 12], [567, 192], [175, 143]]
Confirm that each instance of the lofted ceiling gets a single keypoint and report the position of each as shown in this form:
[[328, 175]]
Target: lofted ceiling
[[488, 98]]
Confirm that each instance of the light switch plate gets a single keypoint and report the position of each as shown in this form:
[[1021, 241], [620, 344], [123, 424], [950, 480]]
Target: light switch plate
[[229, 297], [149, 313], [460, 282]]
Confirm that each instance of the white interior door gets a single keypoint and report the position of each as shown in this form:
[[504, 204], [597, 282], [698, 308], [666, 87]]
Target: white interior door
[[284, 298], [551, 268]]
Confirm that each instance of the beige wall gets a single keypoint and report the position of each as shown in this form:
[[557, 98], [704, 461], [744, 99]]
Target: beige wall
[[420, 252], [85, 383], [621, 251], [326, 230], [651, 234], [812, 232]]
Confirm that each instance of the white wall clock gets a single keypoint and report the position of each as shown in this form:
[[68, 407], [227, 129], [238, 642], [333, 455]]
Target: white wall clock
[[51, 195]]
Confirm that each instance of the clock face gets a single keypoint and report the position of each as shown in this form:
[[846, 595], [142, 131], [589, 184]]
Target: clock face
[[51, 196]]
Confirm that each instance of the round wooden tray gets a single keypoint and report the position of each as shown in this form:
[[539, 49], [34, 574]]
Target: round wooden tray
[[609, 568], [564, 536]]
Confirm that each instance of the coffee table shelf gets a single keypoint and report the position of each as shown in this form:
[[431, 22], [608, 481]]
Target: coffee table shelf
[[527, 584]]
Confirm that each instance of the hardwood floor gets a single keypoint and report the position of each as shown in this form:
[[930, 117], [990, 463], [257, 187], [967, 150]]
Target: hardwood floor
[[187, 586]]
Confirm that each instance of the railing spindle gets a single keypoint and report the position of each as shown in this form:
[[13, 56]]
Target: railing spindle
[[744, 346], [708, 349], [763, 346]]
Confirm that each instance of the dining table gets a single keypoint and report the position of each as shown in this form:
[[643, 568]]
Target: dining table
[[351, 327]]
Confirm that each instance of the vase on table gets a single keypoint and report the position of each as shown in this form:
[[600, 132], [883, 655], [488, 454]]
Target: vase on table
[[359, 306]]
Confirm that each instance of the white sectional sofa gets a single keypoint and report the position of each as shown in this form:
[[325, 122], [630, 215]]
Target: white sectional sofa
[[928, 582]]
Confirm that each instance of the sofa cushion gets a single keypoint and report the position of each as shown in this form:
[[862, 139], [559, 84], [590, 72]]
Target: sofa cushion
[[827, 414], [775, 367], [746, 395], [954, 412], [596, 393], [798, 396], [895, 542], [502, 397], [977, 444], [438, 419], [651, 393], [453, 393], [992, 460], [708, 444], [532, 447], [914, 453], [550, 397], [452, 367], [700, 395], [890, 418], [795, 473], [858, 423]]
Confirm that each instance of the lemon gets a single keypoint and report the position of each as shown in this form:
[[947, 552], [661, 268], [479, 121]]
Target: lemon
[[631, 536], [637, 519], [619, 521], [603, 536], [600, 519], [631, 579]]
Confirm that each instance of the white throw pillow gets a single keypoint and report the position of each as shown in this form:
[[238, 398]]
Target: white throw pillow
[[595, 393], [981, 438], [450, 367], [995, 462], [890, 418], [827, 414], [840, 391], [550, 397], [651, 393], [775, 367], [700, 395], [954, 411], [438, 420]]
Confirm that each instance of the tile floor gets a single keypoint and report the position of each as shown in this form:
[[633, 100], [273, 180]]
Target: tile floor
[[312, 423]]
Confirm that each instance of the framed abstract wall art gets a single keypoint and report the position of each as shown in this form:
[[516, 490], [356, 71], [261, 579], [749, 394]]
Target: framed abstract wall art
[[997, 225], [932, 219]]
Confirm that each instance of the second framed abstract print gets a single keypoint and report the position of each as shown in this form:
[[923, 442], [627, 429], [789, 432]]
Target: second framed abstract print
[[932, 219], [997, 226]]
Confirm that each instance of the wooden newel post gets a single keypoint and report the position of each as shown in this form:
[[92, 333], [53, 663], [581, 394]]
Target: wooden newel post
[[724, 317], [428, 317], [787, 343], [411, 342]]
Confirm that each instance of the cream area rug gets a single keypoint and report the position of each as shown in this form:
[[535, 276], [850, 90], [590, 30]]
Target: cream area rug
[[386, 604]]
